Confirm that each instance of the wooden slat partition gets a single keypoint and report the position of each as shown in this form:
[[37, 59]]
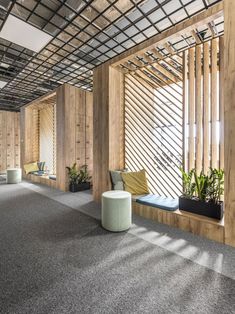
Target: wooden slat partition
[[185, 109], [204, 128], [191, 110], [198, 108], [9, 140], [221, 100], [214, 103], [206, 105]]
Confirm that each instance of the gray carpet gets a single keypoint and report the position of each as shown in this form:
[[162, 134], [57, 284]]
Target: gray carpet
[[57, 260]]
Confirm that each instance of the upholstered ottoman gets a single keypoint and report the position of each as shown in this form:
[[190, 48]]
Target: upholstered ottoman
[[14, 175], [116, 210]]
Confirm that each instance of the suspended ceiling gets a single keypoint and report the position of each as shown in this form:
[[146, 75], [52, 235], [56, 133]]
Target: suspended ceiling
[[76, 36]]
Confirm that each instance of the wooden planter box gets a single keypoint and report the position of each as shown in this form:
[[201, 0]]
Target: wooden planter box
[[208, 209], [79, 187]]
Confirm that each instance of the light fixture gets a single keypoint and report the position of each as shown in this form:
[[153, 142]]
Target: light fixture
[[24, 34], [2, 84]]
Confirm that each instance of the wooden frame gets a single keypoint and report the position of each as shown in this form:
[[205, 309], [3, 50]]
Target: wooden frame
[[74, 136], [226, 98]]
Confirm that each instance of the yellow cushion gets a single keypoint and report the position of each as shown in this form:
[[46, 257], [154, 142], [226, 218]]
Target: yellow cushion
[[31, 167], [135, 182]]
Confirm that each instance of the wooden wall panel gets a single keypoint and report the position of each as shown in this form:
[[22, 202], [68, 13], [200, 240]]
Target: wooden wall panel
[[46, 137], [74, 109], [229, 120], [89, 132], [9, 140], [195, 224], [66, 133], [107, 123], [29, 128], [62, 122]]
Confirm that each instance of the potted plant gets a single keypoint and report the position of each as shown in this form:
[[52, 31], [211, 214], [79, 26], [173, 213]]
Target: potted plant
[[202, 193], [84, 179], [79, 179]]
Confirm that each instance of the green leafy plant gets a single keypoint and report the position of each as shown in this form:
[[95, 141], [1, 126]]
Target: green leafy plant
[[202, 184], [216, 184], [204, 187], [78, 176], [73, 174], [83, 176], [188, 184]]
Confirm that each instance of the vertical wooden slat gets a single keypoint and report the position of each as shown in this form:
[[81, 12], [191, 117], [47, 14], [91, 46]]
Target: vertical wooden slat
[[185, 109], [214, 111], [221, 100], [198, 108], [206, 129], [191, 112]]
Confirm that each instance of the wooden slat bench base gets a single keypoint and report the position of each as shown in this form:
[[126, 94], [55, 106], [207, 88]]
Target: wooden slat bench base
[[196, 224]]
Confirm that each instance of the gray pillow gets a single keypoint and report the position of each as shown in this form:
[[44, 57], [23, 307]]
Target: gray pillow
[[117, 179]]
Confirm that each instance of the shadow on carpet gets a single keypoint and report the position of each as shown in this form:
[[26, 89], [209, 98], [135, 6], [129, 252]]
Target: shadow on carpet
[[57, 260]]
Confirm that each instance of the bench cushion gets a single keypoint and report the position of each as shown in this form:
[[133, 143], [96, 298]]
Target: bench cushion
[[161, 202]]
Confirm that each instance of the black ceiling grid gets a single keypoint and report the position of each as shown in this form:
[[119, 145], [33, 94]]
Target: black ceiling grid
[[85, 33]]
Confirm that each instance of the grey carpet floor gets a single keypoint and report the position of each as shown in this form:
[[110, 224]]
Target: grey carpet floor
[[54, 259]]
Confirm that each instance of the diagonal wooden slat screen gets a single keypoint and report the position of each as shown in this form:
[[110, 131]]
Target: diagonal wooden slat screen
[[153, 129], [174, 116]]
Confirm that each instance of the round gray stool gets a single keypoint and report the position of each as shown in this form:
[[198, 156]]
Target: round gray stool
[[116, 210], [14, 175]]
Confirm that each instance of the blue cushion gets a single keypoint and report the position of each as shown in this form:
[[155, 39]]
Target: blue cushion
[[52, 177], [161, 202]]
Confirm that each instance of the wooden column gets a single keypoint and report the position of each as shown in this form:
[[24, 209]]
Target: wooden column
[[229, 120], [9, 140], [108, 126], [29, 135], [65, 133]]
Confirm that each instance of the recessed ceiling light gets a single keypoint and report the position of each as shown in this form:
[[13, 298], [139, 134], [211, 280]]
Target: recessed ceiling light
[[2, 84], [24, 34]]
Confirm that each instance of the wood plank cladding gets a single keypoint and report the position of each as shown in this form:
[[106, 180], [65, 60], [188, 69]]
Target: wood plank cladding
[[195, 224], [74, 116], [29, 126], [229, 120], [9, 140], [67, 131], [108, 152], [204, 121]]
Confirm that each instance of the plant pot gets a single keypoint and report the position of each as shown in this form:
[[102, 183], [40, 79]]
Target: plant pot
[[208, 209], [76, 187]]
